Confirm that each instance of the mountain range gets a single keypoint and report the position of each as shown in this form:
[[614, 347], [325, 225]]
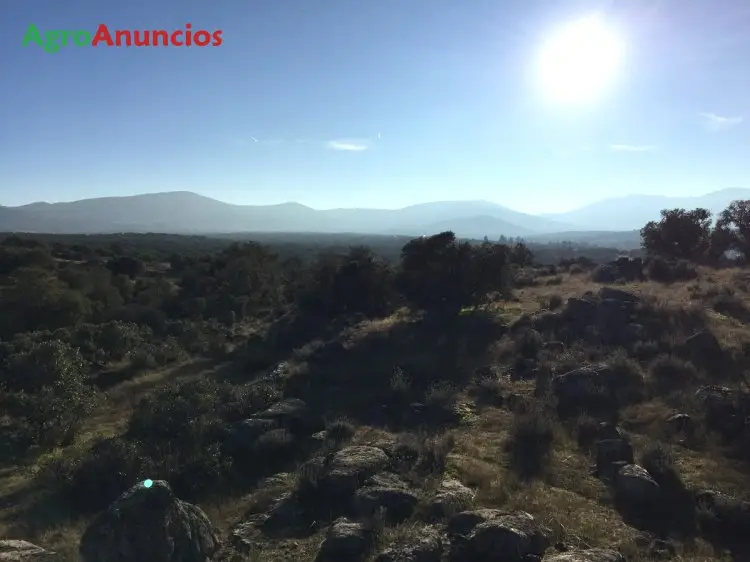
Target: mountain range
[[183, 212]]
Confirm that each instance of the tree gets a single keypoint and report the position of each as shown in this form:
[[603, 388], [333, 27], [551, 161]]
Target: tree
[[132, 267], [680, 234], [733, 227], [442, 275]]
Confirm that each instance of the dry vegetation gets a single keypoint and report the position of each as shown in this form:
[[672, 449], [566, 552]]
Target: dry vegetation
[[509, 445]]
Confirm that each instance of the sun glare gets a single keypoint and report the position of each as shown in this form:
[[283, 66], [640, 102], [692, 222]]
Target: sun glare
[[579, 61]]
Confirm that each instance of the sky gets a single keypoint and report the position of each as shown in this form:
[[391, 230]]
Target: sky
[[387, 103]]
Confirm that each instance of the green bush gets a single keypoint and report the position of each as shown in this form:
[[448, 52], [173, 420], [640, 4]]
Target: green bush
[[47, 395], [531, 438]]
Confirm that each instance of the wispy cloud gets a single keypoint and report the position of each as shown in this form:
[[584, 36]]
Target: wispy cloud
[[632, 147], [352, 145], [343, 144], [716, 123]]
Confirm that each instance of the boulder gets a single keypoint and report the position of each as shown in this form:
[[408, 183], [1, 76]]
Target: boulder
[[452, 497], [635, 486], [582, 387], [731, 516], [512, 537], [150, 524], [461, 524], [293, 414], [23, 551], [423, 545], [611, 293], [345, 540], [387, 491], [588, 555]]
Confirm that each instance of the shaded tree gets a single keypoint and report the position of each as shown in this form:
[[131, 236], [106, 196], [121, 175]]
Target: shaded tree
[[733, 227], [680, 234]]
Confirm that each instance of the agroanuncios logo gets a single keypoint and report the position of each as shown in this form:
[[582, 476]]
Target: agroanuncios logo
[[53, 40]]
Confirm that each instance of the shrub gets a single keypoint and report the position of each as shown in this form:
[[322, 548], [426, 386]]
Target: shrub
[[665, 271], [669, 373], [47, 395], [604, 273], [587, 431], [340, 431], [420, 455], [488, 390], [733, 306], [169, 414], [440, 399], [555, 302], [108, 469], [627, 376], [530, 441], [528, 343]]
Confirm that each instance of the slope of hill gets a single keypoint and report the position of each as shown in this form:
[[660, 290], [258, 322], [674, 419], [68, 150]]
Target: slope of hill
[[375, 432], [633, 211], [186, 212]]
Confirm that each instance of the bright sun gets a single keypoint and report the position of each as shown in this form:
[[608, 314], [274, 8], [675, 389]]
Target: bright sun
[[579, 61]]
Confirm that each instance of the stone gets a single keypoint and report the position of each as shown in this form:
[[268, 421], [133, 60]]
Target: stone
[[150, 524]]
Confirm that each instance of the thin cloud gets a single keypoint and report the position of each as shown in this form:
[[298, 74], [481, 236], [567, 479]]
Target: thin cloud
[[716, 123], [632, 147], [348, 145]]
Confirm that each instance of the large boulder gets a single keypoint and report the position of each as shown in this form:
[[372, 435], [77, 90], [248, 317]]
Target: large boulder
[[331, 481], [23, 551], [423, 545], [345, 540], [635, 487], [386, 491], [588, 555], [452, 497], [730, 516], [150, 523], [293, 414], [461, 524], [511, 537]]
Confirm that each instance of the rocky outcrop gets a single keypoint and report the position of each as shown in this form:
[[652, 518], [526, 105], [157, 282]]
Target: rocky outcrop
[[23, 551], [150, 524], [331, 482]]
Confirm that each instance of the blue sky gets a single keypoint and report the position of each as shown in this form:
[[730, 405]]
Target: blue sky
[[440, 97]]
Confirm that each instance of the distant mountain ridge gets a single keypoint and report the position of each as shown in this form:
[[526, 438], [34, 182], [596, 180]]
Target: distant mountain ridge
[[187, 212], [634, 211], [611, 221]]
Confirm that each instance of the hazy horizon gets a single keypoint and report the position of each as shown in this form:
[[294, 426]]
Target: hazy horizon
[[381, 105], [362, 207]]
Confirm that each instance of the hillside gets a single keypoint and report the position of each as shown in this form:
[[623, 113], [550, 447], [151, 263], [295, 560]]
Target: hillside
[[329, 413]]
